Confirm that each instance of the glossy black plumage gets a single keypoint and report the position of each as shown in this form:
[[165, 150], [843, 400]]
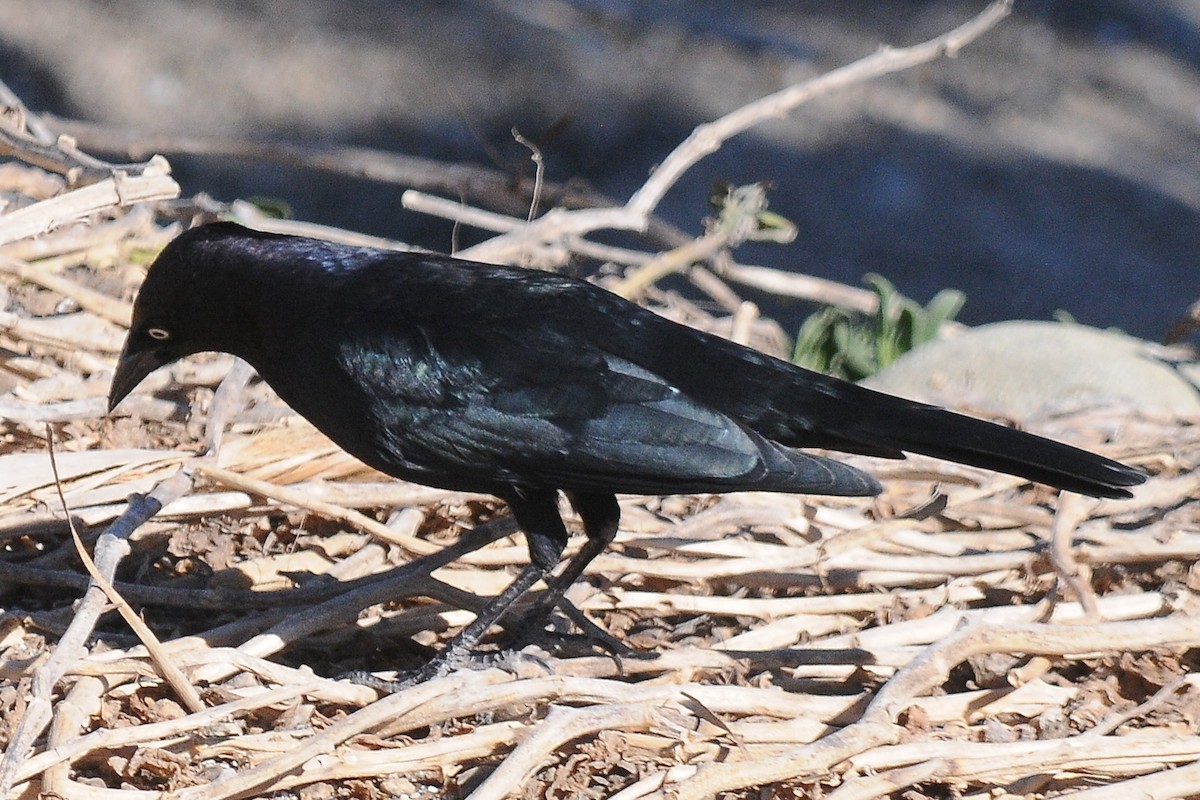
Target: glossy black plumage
[[524, 383]]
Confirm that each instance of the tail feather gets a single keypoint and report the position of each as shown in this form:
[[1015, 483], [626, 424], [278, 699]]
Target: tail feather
[[790, 470], [797, 408], [904, 425]]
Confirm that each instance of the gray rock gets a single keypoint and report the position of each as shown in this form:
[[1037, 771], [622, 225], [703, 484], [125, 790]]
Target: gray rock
[[1020, 368]]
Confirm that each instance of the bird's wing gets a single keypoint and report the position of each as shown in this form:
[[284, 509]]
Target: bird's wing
[[530, 404]]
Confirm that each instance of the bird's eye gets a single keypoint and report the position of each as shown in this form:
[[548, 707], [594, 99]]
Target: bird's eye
[[158, 333]]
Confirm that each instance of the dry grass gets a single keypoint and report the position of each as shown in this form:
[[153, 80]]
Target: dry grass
[[963, 634], [924, 640]]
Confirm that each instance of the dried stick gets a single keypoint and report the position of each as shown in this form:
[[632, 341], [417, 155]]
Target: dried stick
[[411, 579], [166, 667], [708, 138], [1116, 719], [877, 725], [445, 754], [576, 690], [561, 726], [111, 548], [379, 713], [117, 191], [21, 120], [883, 784], [227, 402], [61, 155], [454, 210], [539, 172], [1005, 762], [495, 186], [1071, 511], [71, 717], [670, 262], [113, 239], [113, 738], [804, 287], [99, 303], [253, 217], [1165, 785], [283, 494], [101, 185]]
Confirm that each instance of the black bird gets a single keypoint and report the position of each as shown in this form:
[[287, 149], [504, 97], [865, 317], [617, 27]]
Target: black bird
[[522, 384]]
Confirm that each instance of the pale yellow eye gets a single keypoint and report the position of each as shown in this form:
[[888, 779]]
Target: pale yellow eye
[[158, 333]]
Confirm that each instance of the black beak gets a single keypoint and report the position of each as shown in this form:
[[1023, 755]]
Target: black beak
[[133, 365]]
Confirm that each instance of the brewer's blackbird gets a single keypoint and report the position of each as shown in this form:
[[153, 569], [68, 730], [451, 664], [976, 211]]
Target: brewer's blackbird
[[524, 384]]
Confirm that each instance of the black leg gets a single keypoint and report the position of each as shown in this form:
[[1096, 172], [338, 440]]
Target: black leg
[[601, 517], [537, 515]]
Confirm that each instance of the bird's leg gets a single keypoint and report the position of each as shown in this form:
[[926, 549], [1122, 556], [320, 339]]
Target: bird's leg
[[537, 515], [601, 517]]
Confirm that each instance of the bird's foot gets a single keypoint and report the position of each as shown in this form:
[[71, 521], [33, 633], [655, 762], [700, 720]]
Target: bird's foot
[[448, 661], [542, 629]]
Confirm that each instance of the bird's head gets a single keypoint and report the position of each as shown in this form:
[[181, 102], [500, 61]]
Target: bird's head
[[186, 305]]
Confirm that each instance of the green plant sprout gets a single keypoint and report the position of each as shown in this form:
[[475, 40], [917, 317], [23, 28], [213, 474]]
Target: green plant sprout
[[852, 345]]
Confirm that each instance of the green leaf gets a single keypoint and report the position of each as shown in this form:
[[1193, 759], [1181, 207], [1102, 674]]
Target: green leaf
[[853, 345]]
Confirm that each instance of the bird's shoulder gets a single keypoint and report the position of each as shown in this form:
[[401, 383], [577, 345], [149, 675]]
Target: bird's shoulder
[[432, 288], [455, 320]]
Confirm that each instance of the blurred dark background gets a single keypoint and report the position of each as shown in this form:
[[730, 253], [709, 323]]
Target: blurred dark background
[[1055, 164]]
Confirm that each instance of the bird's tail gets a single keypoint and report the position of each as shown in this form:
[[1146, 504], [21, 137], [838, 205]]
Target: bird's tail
[[794, 471], [885, 423]]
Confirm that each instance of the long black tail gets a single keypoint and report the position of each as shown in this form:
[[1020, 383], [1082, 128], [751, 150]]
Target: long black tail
[[799, 408], [932, 431], [845, 416]]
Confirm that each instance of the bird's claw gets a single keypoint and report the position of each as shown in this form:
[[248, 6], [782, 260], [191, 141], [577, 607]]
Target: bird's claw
[[538, 628], [447, 662]]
